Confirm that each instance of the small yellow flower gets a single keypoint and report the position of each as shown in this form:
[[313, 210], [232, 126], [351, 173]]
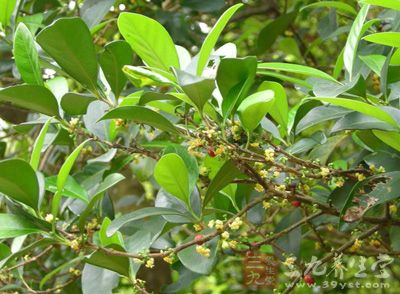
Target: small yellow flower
[[219, 224], [202, 250], [317, 245], [276, 174], [73, 123], [169, 259], [225, 244], [220, 150], [269, 154], [49, 218], [203, 171], [150, 263], [259, 165], [280, 188], [225, 235], [289, 261], [259, 188], [195, 143], [330, 227], [198, 227], [235, 225], [255, 145], [306, 188], [375, 243], [339, 182], [210, 133], [74, 244], [381, 169], [393, 208], [372, 167], [263, 173], [211, 224], [233, 244], [74, 271], [266, 204], [356, 245], [360, 177], [324, 172]]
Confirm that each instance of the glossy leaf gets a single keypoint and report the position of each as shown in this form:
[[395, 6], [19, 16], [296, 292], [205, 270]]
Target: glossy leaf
[[12, 226], [350, 49], [252, 110], [141, 115], [26, 56], [33, 97], [139, 214], [69, 42], [115, 55], [149, 39], [390, 138], [141, 77], [387, 38], [6, 10], [172, 174], [212, 37], [392, 4], [279, 110], [76, 103], [37, 147], [98, 280], [18, 181], [362, 107], [332, 4], [93, 11], [72, 188], [295, 68], [235, 76]]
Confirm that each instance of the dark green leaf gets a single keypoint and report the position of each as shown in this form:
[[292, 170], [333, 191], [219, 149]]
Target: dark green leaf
[[93, 11], [76, 103], [12, 226]]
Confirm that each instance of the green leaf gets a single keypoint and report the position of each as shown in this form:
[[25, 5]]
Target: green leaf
[[71, 189], [63, 176], [33, 97], [279, 110], [172, 174], [390, 138], [12, 226], [196, 262], [350, 49], [6, 10], [392, 4], [93, 11], [252, 110], [139, 214], [235, 77], [198, 90], [387, 38], [332, 4], [225, 175], [98, 280], [37, 147], [26, 56], [141, 77], [69, 42], [295, 68], [76, 103], [115, 55], [149, 39], [68, 264], [18, 181], [374, 62], [142, 115], [273, 30], [212, 38], [118, 264], [362, 107]]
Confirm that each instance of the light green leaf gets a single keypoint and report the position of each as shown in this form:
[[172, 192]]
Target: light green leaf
[[387, 38], [69, 264], [26, 56], [6, 10], [71, 189], [76, 103], [171, 173], [69, 43], [225, 175], [374, 62], [198, 90], [115, 55], [392, 4], [142, 115], [350, 49], [37, 147], [279, 110], [362, 107], [18, 181], [141, 77], [235, 76], [390, 138], [139, 214], [332, 4], [149, 39], [12, 226], [33, 97], [252, 110], [295, 68], [212, 37], [63, 176]]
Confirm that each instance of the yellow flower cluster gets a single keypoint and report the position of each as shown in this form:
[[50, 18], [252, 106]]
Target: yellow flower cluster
[[150, 263], [280, 188], [269, 154], [74, 271], [263, 173], [225, 235], [375, 243], [49, 218], [324, 172], [339, 182], [74, 244], [360, 177], [169, 259], [289, 261], [259, 188], [356, 245], [198, 227], [235, 225], [202, 250], [266, 204]]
